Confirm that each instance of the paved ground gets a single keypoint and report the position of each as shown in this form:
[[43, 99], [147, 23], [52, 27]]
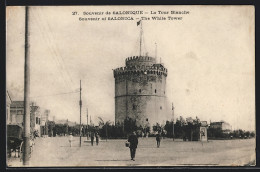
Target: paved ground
[[55, 151]]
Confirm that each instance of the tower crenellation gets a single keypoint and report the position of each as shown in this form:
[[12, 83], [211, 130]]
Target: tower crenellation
[[141, 64]]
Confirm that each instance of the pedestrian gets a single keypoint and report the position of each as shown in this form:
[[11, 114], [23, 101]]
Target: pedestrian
[[158, 139], [34, 134], [97, 138], [133, 140], [92, 138], [70, 139]]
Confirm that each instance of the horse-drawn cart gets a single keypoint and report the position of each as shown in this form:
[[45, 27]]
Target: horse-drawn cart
[[14, 139]]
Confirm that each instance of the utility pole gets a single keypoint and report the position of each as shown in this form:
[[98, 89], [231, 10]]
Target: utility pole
[[67, 127], [155, 52], [26, 117], [46, 123], [172, 122], [87, 123], [80, 105], [106, 132]]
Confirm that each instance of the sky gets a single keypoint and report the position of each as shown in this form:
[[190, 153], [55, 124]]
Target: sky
[[209, 55]]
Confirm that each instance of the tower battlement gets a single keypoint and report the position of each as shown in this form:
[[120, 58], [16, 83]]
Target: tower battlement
[[141, 65], [140, 60], [139, 70]]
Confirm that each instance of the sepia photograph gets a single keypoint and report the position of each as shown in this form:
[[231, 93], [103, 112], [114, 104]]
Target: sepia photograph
[[130, 86]]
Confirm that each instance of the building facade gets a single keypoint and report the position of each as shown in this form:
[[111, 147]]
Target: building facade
[[44, 122], [8, 106], [35, 118], [140, 91], [224, 126], [17, 113]]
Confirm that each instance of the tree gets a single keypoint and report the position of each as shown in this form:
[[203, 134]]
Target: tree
[[192, 129], [157, 128], [252, 134], [60, 129], [129, 125], [106, 127], [179, 128], [51, 125], [169, 128]]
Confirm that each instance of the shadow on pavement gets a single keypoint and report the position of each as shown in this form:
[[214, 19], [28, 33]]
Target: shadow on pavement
[[113, 160], [150, 147], [75, 146]]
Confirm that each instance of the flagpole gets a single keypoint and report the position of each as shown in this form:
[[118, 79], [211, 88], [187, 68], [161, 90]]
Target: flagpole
[[141, 38]]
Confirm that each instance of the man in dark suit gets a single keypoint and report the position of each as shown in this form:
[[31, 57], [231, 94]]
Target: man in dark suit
[[158, 139], [132, 139], [92, 138], [97, 138]]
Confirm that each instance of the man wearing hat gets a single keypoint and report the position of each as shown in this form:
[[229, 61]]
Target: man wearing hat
[[133, 140]]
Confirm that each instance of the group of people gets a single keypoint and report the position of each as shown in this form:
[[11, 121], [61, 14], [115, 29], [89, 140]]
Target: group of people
[[132, 140], [92, 136]]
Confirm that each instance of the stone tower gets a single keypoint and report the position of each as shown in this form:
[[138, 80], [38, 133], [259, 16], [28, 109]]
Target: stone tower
[[140, 91]]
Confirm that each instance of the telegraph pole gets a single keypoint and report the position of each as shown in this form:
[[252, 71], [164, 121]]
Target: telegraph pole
[[87, 123], [46, 123], [26, 117], [155, 52], [172, 122], [80, 105]]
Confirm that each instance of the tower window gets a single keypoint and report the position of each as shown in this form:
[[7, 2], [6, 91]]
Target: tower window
[[140, 90], [134, 107], [164, 92], [161, 107], [155, 90]]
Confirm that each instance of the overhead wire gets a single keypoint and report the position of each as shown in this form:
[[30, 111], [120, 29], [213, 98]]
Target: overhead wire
[[55, 94], [52, 94], [58, 55], [47, 37], [41, 26]]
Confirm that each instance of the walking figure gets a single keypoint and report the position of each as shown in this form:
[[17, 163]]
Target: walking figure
[[70, 139], [97, 138], [133, 145], [158, 139], [92, 138]]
